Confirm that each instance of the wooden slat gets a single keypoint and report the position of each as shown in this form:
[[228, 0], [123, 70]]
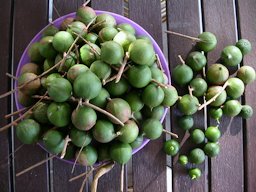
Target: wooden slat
[[227, 168], [149, 164], [184, 17], [247, 11], [111, 181], [5, 21], [30, 17]]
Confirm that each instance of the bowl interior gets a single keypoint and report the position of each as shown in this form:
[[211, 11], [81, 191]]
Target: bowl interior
[[120, 19]]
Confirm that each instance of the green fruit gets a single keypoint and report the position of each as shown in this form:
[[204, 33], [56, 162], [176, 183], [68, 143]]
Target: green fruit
[[212, 149], [232, 108], [87, 85], [154, 113], [157, 74], [137, 142], [212, 91], [128, 133], [77, 28], [24, 99], [186, 122], [32, 87], [107, 34], [152, 129], [244, 45], [182, 74], [102, 99], [152, 95], [46, 48], [134, 101], [217, 74], [235, 88], [60, 89], [92, 37], [101, 69], [126, 27], [197, 156], [120, 109], [183, 160], [141, 52], [194, 173], [117, 89], [34, 53], [80, 138], [137, 116], [124, 38], [231, 55], [40, 112], [59, 114], [197, 136], [51, 30], [28, 131], [75, 71], [103, 131], [48, 63], [30, 68], [89, 53], [196, 60], [170, 96], [88, 156], [246, 74], [54, 141], [112, 52], [146, 38], [120, 152], [85, 14], [208, 42], [139, 76], [188, 104], [215, 113], [105, 20], [199, 86], [51, 78], [69, 62], [246, 112], [171, 147], [62, 41], [212, 134], [84, 118], [103, 152]]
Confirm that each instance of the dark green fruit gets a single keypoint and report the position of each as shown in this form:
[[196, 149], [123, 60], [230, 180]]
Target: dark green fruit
[[124, 38], [137, 116], [232, 108], [197, 136], [65, 23], [208, 42], [25, 100], [212, 149], [246, 112], [117, 89], [199, 86], [28, 131], [183, 160], [62, 41], [60, 89], [59, 114], [186, 122], [134, 101], [69, 62], [92, 37], [88, 54], [88, 156], [54, 141], [212, 133], [141, 52], [103, 152], [77, 28], [107, 34], [155, 113], [217, 74], [75, 71], [170, 96], [70, 152], [87, 85], [246, 74], [48, 63], [101, 69], [85, 14], [30, 68], [34, 54], [212, 91], [103, 131], [245, 46], [51, 30], [194, 173], [129, 132], [40, 112], [46, 48], [152, 95], [120, 152], [197, 156], [112, 52], [182, 74], [84, 118], [105, 20], [188, 104], [126, 27], [157, 74], [80, 138], [32, 87], [102, 99], [216, 113], [139, 76], [171, 147], [152, 129], [137, 142], [231, 55], [235, 88], [196, 60]]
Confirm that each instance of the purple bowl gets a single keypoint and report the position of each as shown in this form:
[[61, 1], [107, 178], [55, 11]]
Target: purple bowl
[[120, 19]]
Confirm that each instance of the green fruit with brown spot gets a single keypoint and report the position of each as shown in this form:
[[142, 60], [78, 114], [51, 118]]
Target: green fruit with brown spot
[[80, 138], [46, 48], [31, 87], [75, 71], [85, 14], [196, 60], [25, 100], [217, 74], [30, 68], [34, 53], [105, 20], [212, 91], [51, 30], [40, 112], [88, 156], [65, 23], [246, 74]]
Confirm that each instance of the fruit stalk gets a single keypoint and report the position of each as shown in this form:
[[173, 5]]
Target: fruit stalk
[[121, 70], [182, 35]]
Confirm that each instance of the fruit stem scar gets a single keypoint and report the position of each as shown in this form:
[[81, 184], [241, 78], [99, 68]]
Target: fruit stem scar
[[63, 153], [170, 133], [121, 70], [182, 35], [190, 90]]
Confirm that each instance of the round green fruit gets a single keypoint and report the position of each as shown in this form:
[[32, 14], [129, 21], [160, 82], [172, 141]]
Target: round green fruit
[[217, 74], [211, 149], [246, 112], [152, 129], [197, 156], [208, 42], [120, 152], [62, 41], [188, 104], [232, 108], [196, 60], [59, 114], [171, 147], [212, 133], [244, 45], [197, 136], [231, 55]]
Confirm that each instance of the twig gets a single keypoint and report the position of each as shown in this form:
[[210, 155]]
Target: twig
[[122, 178], [190, 90], [86, 3], [159, 84], [74, 165], [15, 113], [11, 76], [96, 25], [85, 179], [63, 153], [182, 35], [159, 64], [181, 60], [170, 133], [121, 70]]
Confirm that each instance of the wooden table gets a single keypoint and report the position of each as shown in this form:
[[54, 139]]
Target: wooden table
[[234, 170]]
